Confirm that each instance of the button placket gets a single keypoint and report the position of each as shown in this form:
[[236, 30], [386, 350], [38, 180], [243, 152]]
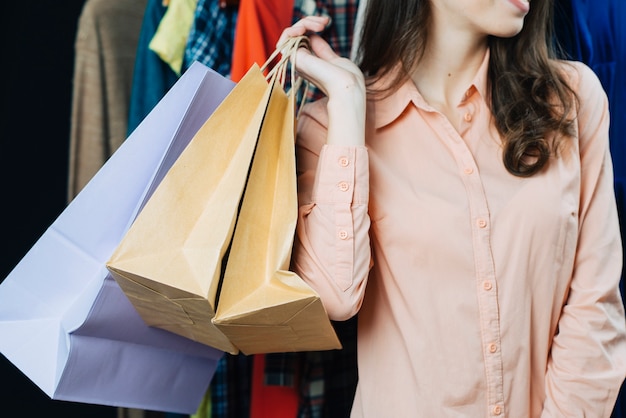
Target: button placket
[[485, 279]]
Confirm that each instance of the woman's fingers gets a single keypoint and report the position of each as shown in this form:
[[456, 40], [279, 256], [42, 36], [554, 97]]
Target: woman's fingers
[[320, 65], [303, 26], [321, 48], [325, 69]]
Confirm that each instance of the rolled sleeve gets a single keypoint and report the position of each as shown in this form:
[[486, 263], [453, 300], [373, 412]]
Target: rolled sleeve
[[332, 249], [338, 192]]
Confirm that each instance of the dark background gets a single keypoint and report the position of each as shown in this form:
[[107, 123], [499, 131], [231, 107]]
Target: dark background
[[37, 64]]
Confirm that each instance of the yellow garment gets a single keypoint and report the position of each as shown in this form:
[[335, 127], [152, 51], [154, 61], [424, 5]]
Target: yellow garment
[[204, 410], [170, 37]]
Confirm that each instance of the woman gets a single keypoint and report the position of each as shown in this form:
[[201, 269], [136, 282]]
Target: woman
[[456, 192]]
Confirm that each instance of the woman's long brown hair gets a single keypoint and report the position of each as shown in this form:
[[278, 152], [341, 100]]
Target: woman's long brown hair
[[530, 99]]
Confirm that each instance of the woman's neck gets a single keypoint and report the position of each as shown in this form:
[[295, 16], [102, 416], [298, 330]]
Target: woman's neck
[[448, 66]]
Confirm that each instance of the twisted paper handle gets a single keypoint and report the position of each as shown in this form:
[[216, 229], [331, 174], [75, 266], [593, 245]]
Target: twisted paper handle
[[287, 51]]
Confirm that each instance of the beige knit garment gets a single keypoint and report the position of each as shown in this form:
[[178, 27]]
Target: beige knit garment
[[105, 47], [106, 43]]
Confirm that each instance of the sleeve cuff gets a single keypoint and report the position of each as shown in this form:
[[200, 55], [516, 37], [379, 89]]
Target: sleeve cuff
[[342, 175]]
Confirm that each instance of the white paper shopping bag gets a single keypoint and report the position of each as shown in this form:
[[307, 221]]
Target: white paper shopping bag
[[65, 323]]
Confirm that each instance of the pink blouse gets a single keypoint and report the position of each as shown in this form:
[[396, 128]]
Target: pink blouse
[[479, 293]]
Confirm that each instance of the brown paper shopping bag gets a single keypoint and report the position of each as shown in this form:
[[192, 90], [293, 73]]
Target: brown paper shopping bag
[[264, 307], [169, 262]]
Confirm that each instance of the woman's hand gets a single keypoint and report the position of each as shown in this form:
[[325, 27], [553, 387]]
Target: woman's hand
[[338, 77], [323, 67]]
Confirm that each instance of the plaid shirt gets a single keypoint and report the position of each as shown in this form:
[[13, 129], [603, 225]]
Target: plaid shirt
[[230, 388], [326, 379], [339, 34], [343, 14], [212, 37]]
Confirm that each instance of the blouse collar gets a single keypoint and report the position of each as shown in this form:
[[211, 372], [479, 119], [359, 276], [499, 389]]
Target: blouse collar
[[388, 109]]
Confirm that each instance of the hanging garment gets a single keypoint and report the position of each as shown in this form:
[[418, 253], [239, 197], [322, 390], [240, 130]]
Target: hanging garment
[[106, 41], [325, 380], [358, 26], [230, 388], [338, 34], [592, 32], [343, 19], [212, 36], [270, 401], [259, 25], [329, 378], [152, 77], [138, 413], [204, 410], [171, 35], [617, 130]]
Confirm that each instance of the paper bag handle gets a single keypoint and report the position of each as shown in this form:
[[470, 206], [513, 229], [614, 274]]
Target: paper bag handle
[[287, 50]]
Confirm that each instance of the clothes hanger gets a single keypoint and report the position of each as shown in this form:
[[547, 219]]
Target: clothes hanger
[[229, 3], [223, 3]]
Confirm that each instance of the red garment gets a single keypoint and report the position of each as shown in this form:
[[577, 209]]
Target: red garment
[[268, 401], [259, 25]]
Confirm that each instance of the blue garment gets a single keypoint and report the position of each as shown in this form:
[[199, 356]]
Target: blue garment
[[152, 77], [231, 387], [593, 31], [212, 37]]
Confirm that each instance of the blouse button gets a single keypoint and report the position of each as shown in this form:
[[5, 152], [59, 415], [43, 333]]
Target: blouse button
[[344, 186], [497, 410], [487, 285], [343, 234], [493, 348], [468, 117], [468, 170], [344, 162], [481, 223]]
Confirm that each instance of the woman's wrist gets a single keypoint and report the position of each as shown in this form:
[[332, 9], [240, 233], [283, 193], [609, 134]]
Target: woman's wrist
[[346, 117]]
